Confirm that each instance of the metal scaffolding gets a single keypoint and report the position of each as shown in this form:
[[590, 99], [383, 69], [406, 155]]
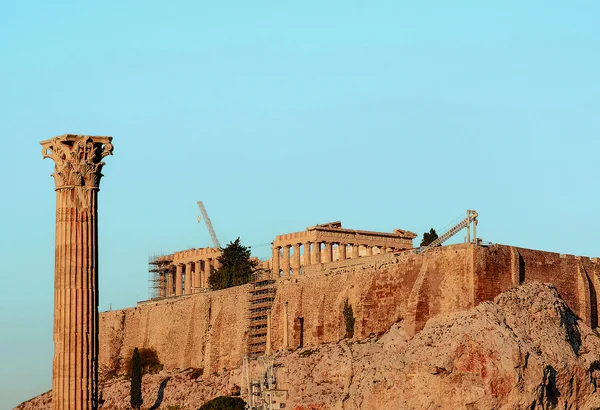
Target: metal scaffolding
[[160, 269], [262, 295]]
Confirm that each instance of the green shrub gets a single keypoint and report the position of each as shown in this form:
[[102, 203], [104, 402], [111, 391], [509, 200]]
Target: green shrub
[[349, 319], [224, 403]]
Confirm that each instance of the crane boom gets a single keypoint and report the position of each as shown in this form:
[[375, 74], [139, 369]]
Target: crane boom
[[209, 226], [471, 217]]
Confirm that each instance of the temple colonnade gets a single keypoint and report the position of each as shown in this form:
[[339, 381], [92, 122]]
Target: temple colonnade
[[289, 259], [330, 242]]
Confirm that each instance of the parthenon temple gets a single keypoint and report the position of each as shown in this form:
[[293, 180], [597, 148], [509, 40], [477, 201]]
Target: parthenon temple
[[330, 242], [186, 272]]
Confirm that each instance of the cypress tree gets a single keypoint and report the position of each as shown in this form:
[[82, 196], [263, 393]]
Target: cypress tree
[[136, 381], [236, 267]]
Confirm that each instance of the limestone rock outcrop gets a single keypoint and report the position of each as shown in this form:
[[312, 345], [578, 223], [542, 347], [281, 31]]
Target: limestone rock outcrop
[[523, 350]]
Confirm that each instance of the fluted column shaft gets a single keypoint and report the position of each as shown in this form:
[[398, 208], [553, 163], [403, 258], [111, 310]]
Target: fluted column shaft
[[75, 303], [355, 250], [207, 272], [317, 252], [328, 252], [197, 282], [296, 264], [275, 261], [188, 278], [306, 254], [77, 175], [369, 249], [285, 264], [179, 280], [342, 252]]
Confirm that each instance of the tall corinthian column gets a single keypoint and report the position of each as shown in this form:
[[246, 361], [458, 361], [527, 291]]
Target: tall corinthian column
[[77, 172]]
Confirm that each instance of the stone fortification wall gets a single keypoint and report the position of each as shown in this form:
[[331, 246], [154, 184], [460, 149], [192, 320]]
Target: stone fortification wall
[[577, 278], [382, 290], [209, 330], [204, 330]]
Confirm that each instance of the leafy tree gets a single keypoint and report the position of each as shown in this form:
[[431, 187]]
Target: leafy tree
[[136, 381], [224, 403], [349, 319], [429, 237], [236, 267]]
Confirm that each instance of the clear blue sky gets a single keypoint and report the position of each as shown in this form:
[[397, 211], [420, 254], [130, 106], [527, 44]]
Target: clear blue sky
[[279, 116]]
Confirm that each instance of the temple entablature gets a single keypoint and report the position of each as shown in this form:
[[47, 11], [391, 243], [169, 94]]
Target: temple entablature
[[191, 255]]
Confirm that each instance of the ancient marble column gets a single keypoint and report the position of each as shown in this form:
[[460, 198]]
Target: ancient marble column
[[296, 264], [328, 252], [207, 271], [197, 283], [188, 278], [179, 280], [317, 252], [306, 253], [275, 261], [355, 250], [285, 264], [77, 173], [342, 251], [369, 249]]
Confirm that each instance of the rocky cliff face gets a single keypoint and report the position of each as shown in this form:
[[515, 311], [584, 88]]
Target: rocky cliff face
[[523, 350]]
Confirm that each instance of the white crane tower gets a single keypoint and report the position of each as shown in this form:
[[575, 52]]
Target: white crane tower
[[209, 226], [465, 223]]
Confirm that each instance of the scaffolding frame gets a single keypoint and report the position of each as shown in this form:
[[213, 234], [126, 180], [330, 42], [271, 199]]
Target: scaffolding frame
[[262, 295], [160, 268]]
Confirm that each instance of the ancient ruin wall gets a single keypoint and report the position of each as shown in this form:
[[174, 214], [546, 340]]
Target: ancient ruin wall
[[209, 330], [382, 290], [205, 330], [577, 278]]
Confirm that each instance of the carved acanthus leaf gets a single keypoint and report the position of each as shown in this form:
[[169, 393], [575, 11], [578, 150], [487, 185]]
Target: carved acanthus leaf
[[77, 159]]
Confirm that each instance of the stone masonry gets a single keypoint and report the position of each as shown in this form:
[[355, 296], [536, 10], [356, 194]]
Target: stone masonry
[[77, 173], [382, 289]]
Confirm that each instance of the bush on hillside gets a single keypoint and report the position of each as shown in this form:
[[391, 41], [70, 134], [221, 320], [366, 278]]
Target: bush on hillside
[[224, 403], [149, 361]]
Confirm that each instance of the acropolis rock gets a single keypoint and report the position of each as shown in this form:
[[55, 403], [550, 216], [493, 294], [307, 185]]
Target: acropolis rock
[[523, 350]]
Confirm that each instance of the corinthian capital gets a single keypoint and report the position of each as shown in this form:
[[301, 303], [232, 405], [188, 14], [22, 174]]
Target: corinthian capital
[[77, 159]]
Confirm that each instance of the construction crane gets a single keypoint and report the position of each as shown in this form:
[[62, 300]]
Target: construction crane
[[209, 226], [465, 223]]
